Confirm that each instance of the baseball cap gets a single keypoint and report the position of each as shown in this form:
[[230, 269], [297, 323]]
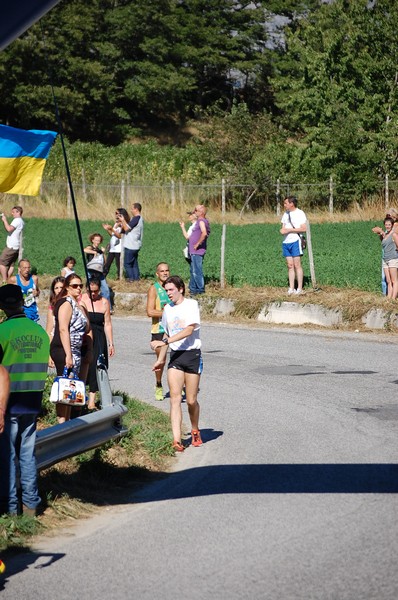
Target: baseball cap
[[10, 296]]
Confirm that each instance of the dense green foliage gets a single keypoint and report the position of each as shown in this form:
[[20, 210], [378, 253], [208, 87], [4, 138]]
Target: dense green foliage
[[345, 254], [301, 96]]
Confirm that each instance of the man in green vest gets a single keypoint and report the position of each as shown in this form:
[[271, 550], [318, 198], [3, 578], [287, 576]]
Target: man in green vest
[[156, 301], [24, 352]]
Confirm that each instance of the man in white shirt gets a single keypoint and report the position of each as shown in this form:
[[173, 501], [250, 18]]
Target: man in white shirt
[[294, 223], [9, 256]]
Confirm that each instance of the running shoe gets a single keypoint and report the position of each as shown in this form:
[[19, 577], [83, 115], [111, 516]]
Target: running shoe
[[178, 447], [196, 439], [158, 392]]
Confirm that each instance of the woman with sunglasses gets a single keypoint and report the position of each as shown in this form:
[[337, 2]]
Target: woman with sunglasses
[[72, 328]]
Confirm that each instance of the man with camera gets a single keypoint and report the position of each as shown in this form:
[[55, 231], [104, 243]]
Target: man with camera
[[9, 256]]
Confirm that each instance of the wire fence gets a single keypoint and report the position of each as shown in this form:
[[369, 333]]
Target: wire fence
[[237, 196]]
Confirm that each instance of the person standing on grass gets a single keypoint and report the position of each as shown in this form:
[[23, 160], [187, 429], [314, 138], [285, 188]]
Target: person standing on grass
[[134, 231], [29, 285], [181, 322], [391, 214], [187, 233], [95, 257], [115, 245], [197, 249], [9, 256], [294, 222], [389, 245], [24, 352], [157, 299]]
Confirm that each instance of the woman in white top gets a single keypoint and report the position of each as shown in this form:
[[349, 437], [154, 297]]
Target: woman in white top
[[181, 322], [115, 246]]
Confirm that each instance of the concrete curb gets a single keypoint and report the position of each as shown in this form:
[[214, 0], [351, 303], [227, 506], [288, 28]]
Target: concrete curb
[[288, 313], [280, 313]]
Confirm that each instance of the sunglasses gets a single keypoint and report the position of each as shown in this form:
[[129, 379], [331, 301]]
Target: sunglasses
[[74, 286]]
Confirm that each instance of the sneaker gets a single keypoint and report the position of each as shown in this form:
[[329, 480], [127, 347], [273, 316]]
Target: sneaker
[[299, 292], [290, 292], [158, 392], [196, 439], [178, 447]]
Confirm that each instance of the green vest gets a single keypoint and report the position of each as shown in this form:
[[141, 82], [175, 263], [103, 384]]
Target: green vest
[[26, 348], [161, 300]]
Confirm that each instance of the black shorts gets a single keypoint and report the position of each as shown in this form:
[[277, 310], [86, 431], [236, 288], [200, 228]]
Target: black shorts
[[157, 337], [189, 361]]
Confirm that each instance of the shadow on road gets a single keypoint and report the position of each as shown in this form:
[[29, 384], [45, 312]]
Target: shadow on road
[[20, 558], [275, 479]]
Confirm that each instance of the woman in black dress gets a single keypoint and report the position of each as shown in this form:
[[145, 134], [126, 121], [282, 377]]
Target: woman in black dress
[[99, 314]]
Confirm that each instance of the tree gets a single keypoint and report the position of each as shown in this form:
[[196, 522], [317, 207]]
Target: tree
[[336, 87]]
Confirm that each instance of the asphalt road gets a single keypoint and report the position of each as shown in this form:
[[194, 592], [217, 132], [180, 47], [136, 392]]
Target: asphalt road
[[293, 496]]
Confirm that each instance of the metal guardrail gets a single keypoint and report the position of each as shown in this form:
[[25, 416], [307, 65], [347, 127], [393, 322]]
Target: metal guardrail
[[83, 433]]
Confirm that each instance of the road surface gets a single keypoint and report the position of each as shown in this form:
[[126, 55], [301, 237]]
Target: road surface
[[292, 497]]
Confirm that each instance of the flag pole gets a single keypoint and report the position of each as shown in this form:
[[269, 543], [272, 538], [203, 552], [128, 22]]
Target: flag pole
[[68, 174]]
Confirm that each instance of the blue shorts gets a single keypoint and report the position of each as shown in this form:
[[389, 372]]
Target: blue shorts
[[293, 249]]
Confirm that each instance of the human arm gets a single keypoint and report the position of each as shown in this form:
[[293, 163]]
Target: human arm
[[379, 231], [9, 227], [129, 226], [108, 327], [161, 359], [36, 291], [4, 393], [50, 323], [90, 250], [112, 230], [12, 280], [151, 309], [64, 318], [184, 333], [203, 235], [183, 230]]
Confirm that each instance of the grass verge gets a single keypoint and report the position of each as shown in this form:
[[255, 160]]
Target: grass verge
[[108, 475]]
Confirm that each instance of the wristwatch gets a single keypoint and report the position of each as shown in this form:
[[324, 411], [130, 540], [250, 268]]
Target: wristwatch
[[165, 341]]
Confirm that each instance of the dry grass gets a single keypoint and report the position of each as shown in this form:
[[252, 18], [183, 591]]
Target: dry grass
[[158, 209]]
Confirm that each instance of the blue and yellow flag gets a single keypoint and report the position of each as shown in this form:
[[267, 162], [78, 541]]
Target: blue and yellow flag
[[23, 156]]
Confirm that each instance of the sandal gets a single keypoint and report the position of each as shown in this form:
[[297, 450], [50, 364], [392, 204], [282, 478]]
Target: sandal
[[196, 439], [178, 447]]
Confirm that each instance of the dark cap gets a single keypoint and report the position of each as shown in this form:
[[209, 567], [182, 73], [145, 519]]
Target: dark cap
[[11, 296]]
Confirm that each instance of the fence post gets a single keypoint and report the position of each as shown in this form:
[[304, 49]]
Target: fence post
[[127, 188], [122, 193], [68, 199], [173, 192], [331, 194], [222, 265], [387, 193], [310, 255], [84, 190], [278, 197]]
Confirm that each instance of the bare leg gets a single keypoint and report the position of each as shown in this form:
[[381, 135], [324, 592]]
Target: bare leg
[[290, 271], [299, 272], [394, 280], [191, 391], [3, 273], [158, 374], [176, 383]]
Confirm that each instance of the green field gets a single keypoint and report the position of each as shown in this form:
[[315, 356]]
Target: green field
[[345, 254]]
